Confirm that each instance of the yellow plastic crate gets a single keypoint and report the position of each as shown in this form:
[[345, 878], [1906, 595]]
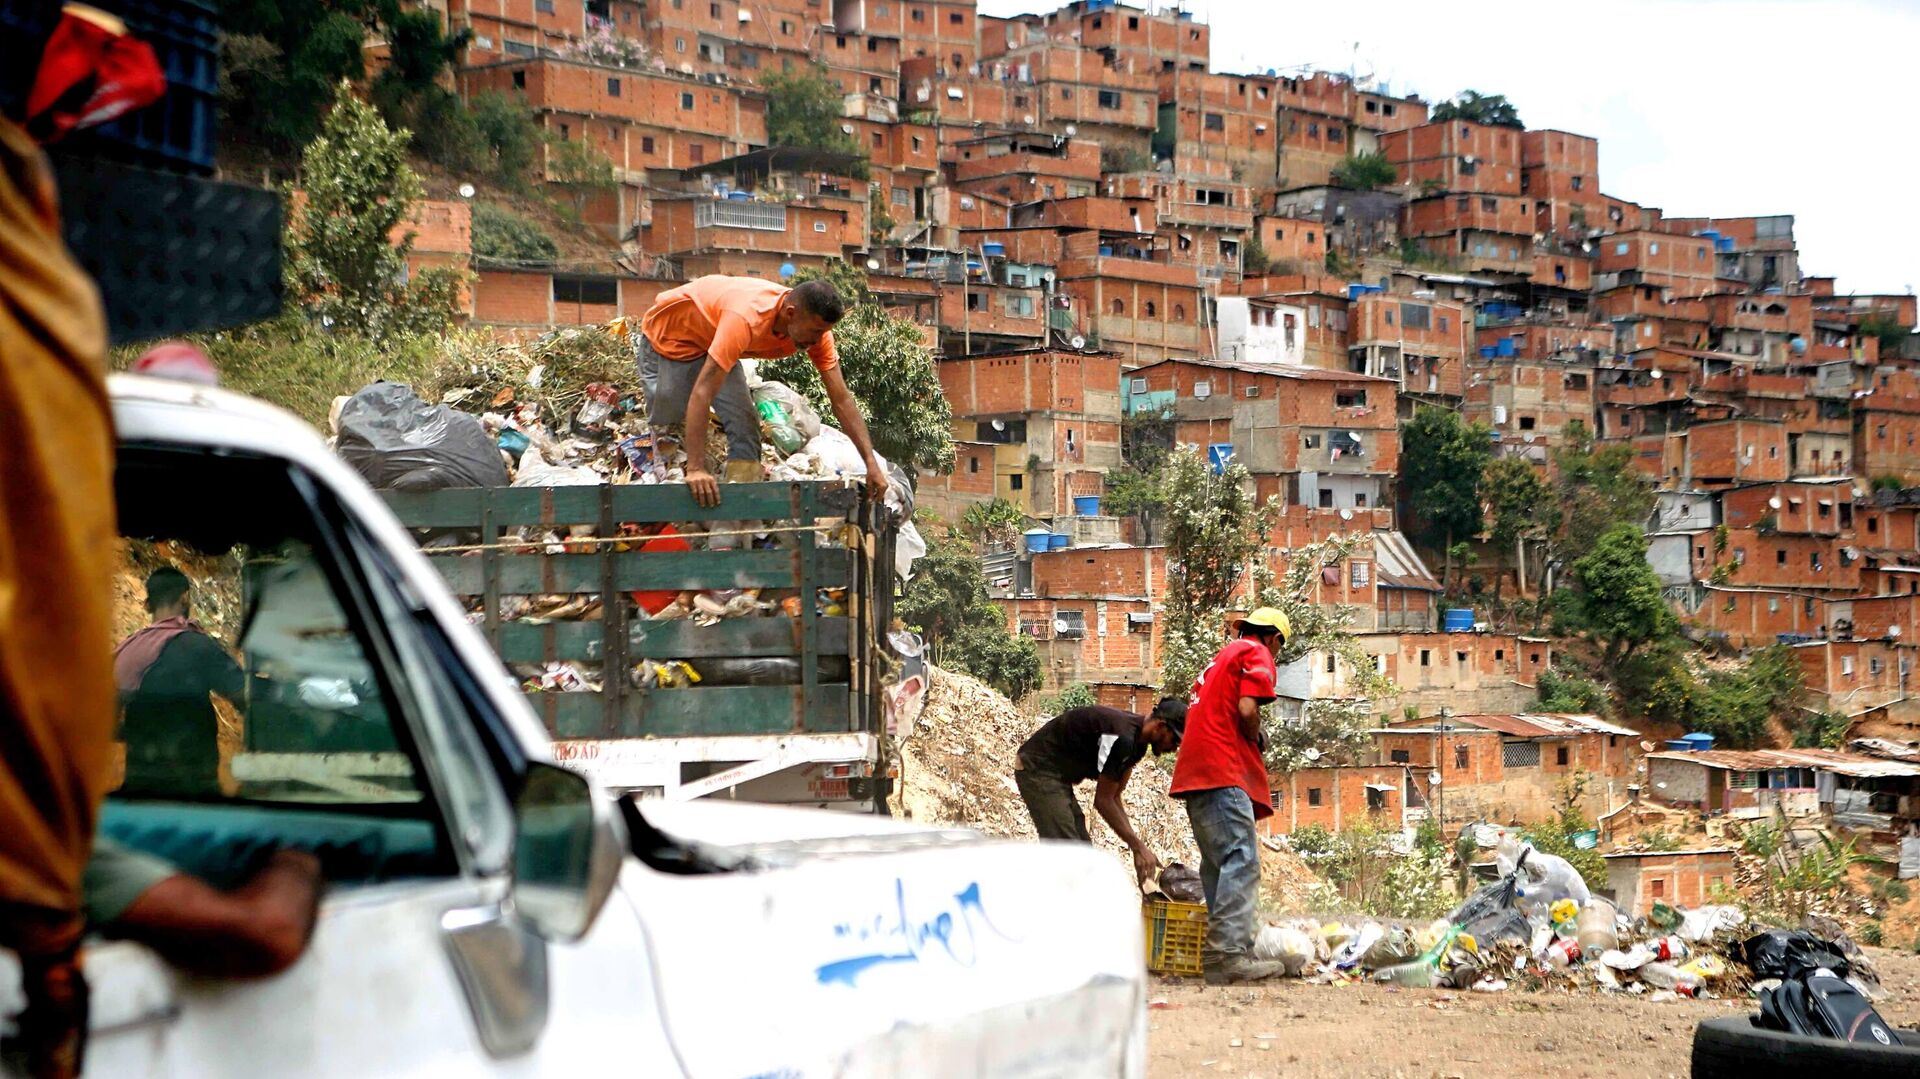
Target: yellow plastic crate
[[1176, 934]]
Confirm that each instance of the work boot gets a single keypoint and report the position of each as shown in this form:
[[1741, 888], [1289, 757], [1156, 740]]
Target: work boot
[[1235, 969]]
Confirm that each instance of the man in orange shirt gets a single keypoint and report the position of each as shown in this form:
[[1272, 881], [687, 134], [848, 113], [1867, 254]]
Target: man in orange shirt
[[692, 340]]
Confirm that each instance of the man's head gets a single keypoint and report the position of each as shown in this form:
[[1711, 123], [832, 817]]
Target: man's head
[[167, 590], [808, 311], [1269, 626], [1165, 725]]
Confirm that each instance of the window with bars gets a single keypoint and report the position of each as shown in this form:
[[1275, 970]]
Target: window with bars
[[1520, 754]]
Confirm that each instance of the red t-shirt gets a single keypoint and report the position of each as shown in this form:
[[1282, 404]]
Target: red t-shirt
[[1212, 753]]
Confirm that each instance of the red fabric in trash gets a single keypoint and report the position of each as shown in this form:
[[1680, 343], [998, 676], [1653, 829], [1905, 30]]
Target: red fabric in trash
[[668, 540]]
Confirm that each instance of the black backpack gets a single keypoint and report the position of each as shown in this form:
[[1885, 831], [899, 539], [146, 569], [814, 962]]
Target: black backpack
[[1818, 1005]]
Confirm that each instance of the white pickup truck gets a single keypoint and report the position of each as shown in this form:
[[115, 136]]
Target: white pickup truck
[[490, 913]]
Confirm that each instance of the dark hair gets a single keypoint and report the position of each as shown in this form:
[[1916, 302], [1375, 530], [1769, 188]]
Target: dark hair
[[165, 587], [821, 300]]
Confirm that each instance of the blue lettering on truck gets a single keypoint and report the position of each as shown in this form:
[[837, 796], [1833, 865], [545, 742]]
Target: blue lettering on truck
[[957, 928]]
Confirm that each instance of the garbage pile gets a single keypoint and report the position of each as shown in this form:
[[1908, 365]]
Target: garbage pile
[[1539, 928], [525, 431], [956, 767]]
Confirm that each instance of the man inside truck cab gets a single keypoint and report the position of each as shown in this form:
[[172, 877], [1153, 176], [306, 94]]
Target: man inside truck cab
[[691, 344], [1102, 744], [165, 672]]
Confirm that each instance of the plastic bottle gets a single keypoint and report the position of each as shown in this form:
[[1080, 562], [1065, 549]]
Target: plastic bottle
[[785, 437], [1562, 954], [1668, 949], [1415, 974], [1667, 976], [1595, 928]]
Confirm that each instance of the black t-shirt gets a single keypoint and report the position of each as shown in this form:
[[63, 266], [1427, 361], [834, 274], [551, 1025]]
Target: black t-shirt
[[1082, 743]]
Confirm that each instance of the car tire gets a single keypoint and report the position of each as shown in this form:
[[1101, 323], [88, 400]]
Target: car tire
[[1733, 1048]]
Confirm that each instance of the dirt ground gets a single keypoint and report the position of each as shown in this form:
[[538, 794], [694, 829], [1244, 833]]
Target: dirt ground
[[1294, 1029]]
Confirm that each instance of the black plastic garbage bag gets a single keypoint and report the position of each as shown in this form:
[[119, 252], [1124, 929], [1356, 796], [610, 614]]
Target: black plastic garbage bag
[[400, 443], [1789, 953], [1492, 915], [1182, 883]]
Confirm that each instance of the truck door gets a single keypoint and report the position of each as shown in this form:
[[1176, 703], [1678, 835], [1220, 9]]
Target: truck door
[[339, 737]]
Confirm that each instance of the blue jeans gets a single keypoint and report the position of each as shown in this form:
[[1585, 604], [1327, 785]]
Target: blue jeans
[[1222, 820]]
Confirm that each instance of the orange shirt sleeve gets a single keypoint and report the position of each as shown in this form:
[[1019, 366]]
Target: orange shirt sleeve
[[730, 337], [824, 354]]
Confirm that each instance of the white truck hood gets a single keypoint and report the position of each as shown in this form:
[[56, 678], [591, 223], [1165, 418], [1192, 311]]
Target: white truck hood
[[863, 946]]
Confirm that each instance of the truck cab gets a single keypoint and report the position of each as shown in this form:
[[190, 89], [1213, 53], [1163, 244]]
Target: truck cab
[[488, 911]]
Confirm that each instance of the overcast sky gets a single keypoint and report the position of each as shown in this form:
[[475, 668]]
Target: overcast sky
[[1704, 108]]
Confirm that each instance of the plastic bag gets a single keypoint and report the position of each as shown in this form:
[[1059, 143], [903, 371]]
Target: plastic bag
[[400, 443], [1781, 953], [1182, 882], [797, 409], [536, 471], [908, 548], [1702, 923], [836, 453], [1290, 945]]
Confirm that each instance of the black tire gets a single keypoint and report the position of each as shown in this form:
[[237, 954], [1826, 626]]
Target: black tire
[[1733, 1048]]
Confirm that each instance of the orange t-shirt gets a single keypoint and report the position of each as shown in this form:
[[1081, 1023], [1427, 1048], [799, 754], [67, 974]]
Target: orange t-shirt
[[725, 318]]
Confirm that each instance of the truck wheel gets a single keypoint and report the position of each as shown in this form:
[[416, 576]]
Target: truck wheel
[[1733, 1048]]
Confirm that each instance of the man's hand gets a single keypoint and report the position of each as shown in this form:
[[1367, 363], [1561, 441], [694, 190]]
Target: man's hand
[[877, 478], [1145, 864], [705, 489]]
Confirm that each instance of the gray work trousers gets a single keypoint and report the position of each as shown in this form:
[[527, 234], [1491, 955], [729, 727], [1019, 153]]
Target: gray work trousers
[[669, 382]]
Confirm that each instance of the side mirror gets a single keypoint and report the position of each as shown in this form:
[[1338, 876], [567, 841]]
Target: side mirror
[[567, 850]]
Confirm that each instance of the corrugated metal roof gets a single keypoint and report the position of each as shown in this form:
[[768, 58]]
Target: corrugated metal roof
[[1666, 853], [1545, 724], [1399, 565], [1824, 760], [1887, 748]]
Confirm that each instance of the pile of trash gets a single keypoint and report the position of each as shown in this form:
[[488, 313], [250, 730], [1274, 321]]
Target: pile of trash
[[1538, 927], [526, 431], [956, 767]]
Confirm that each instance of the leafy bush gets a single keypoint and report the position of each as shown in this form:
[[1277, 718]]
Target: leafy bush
[[1872, 934], [1077, 695], [1311, 840], [1556, 836], [499, 233], [1567, 692]]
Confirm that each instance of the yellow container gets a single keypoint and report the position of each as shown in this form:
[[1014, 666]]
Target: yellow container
[[1176, 933]]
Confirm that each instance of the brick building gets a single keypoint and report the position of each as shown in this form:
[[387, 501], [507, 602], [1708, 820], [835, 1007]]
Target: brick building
[[1508, 768], [1390, 797], [1419, 343], [1676, 878], [1052, 418], [1456, 157], [1220, 116]]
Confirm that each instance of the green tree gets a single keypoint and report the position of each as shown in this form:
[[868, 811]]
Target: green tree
[[891, 372], [283, 59], [1596, 489], [499, 233], [1215, 534], [1442, 461], [1253, 257], [1620, 603], [343, 264], [946, 601], [880, 222], [1478, 108], [579, 167], [1365, 172], [804, 110], [1889, 332], [510, 135], [848, 280], [1564, 692], [1136, 494], [1515, 495]]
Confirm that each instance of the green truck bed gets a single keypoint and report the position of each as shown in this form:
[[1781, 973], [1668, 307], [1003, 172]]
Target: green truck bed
[[828, 696]]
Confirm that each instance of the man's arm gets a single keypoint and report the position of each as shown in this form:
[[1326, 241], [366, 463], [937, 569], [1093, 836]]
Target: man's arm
[[855, 427], [706, 385], [1250, 719], [1106, 802], [258, 929]]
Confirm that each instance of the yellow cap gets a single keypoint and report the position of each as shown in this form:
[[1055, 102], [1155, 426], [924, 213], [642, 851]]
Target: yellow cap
[[1271, 618]]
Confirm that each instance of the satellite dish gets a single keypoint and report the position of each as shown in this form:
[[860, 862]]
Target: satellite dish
[[1060, 625], [999, 425], [846, 129], [1346, 515], [466, 191], [1071, 130], [873, 264], [1434, 779], [1310, 753], [1893, 631], [1027, 119], [1774, 502], [1078, 341], [1355, 435]]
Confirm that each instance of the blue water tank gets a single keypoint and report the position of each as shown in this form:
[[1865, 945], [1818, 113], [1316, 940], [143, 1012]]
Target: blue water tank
[[1699, 740], [1037, 539], [1503, 347], [1354, 292], [993, 250], [1106, 250], [738, 196], [1087, 505], [1724, 243], [1486, 352], [1458, 620], [1058, 541], [1679, 745]]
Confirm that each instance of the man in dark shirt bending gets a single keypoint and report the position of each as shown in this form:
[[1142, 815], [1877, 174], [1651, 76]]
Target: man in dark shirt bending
[[165, 672], [1098, 743]]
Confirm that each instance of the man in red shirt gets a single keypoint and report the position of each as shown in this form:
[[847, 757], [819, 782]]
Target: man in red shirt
[[692, 341], [1223, 779]]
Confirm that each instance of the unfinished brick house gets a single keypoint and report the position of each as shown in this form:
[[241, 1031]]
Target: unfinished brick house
[[1512, 768]]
